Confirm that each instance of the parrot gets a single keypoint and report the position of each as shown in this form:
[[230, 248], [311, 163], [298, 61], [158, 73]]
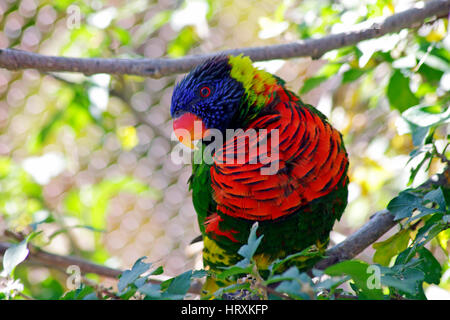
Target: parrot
[[292, 173]]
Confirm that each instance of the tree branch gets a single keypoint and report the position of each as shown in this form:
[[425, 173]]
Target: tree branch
[[15, 59], [62, 262], [380, 223]]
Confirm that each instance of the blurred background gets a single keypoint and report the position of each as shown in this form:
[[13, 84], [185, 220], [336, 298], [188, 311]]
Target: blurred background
[[86, 159]]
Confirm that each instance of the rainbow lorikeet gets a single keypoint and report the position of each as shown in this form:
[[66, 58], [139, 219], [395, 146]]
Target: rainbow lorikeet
[[297, 203]]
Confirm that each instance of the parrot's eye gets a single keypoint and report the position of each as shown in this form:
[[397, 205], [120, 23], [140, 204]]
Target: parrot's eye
[[177, 113], [205, 92]]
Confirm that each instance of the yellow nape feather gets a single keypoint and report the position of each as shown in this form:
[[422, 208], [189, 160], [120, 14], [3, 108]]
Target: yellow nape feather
[[254, 80]]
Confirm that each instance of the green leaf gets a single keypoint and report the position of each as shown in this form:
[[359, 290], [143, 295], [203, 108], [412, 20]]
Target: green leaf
[[151, 290], [433, 67], [157, 271], [389, 248], [199, 274], [121, 34], [50, 289], [414, 171], [352, 75], [331, 284], [249, 249], [360, 273], [299, 286], [47, 218], [185, 39], [14, 255], [418, 120], [324, 74], [433, 226], [429, 266], [311, 83], [399, 93], [91, 296], [41, 137], [405, 203], [78, 294], [235, 270], [308, 254], [178, 286], [129, 276], [290, 274], [427, 116], [436, 196], [419, 134], [403, 278]]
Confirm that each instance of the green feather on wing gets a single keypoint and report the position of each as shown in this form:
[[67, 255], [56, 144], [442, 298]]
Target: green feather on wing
[[202, 192]]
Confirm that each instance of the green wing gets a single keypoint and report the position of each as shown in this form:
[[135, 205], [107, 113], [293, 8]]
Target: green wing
[[202, 192]]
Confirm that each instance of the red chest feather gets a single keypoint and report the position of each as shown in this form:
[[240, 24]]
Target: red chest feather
[[305, 156]]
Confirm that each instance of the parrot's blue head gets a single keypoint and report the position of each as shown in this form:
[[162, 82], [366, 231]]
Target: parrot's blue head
[[208, 94]]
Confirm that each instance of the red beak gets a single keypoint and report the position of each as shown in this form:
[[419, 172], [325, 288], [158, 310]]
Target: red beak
[[188, 128]]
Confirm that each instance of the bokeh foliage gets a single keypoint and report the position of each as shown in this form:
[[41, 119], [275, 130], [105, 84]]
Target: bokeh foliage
[[85, 160]]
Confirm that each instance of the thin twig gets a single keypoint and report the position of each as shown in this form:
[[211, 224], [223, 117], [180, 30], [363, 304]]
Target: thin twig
[[274, 292], [26, 297], [442, 156], [14, 235], [100, 289]]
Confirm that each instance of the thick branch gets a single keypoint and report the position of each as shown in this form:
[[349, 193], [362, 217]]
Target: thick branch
[[380, 223], [16, 59]]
